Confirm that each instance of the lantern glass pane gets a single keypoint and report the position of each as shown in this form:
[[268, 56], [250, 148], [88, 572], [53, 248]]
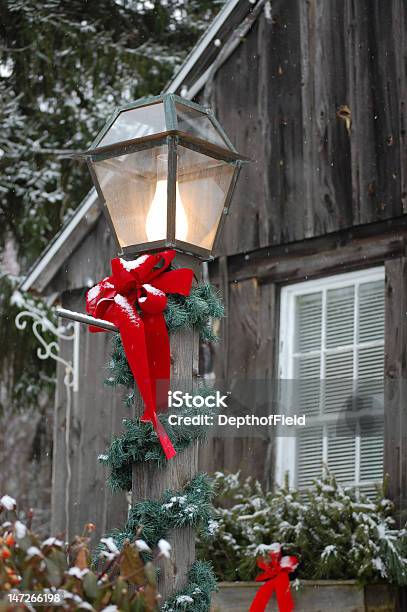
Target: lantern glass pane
[[134, 187], [202, 186], [195, 123], [135, 123]]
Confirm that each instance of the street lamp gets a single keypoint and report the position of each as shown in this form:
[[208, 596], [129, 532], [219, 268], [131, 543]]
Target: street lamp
[[164, 171]]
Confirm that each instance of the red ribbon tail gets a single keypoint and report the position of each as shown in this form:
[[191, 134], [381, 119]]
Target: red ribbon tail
[[169, 450], [284, 598], [159, 357], [133, 335], [262, 597], [165, 441], [281, 585]]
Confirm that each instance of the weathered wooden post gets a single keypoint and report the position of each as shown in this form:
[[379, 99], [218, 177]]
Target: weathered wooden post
[[150, 481]]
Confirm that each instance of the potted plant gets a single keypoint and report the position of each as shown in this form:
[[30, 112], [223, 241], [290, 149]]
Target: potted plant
[[352, 556]]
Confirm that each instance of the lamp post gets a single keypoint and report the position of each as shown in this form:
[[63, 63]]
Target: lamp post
[[165, 171]]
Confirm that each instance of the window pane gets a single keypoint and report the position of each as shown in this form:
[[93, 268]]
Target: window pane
[[307, 385], [136, 123], [307, 397], [341, 453], [371, 363], [371, 311], [308, 322], [369, 491], [306, 367], [340, 305], [309, 456], [371, 449], [370, 389], [338, 382]]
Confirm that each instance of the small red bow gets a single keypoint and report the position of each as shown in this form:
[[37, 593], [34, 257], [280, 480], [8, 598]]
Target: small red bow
[[276, 573], [134, 299]]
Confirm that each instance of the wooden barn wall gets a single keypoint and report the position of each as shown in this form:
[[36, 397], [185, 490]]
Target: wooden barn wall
[[283, 97], [279, 97], [246, 354], [79, 491], [89, 263]]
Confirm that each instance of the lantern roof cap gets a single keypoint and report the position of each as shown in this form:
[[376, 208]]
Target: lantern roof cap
[[157, 116]]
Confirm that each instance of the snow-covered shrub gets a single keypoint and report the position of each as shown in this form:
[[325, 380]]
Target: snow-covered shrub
[[335, 532]]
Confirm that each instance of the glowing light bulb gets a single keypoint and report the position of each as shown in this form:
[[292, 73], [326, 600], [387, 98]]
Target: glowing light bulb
[[156, 222]]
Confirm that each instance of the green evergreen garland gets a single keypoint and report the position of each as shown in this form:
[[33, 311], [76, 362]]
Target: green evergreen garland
[[190, 507], [195, 310], [196, 595], [139, 442], [336, 532], [151, 520]]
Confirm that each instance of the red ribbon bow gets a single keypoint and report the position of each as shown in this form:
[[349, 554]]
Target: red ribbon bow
[[276, 573], [134, 299]]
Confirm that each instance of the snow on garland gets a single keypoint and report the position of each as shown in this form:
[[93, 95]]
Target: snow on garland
[[196, 595], [149, 523], [151, 520]]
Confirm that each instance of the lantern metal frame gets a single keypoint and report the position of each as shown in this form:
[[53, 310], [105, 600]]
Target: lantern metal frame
[[172, 137]]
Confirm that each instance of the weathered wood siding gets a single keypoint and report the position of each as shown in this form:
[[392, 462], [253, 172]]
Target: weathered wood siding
[[315, 179], [89, 263], [278, 97], [79, 491], [246, 354]]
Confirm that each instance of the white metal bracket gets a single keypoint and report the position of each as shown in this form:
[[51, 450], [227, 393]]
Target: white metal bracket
[[50, 350]]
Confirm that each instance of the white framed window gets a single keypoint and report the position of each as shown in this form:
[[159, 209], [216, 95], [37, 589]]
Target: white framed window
[[332, 357]]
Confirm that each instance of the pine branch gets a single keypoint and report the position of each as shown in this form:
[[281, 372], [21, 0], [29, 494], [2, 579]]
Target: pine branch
[[139, 443]]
